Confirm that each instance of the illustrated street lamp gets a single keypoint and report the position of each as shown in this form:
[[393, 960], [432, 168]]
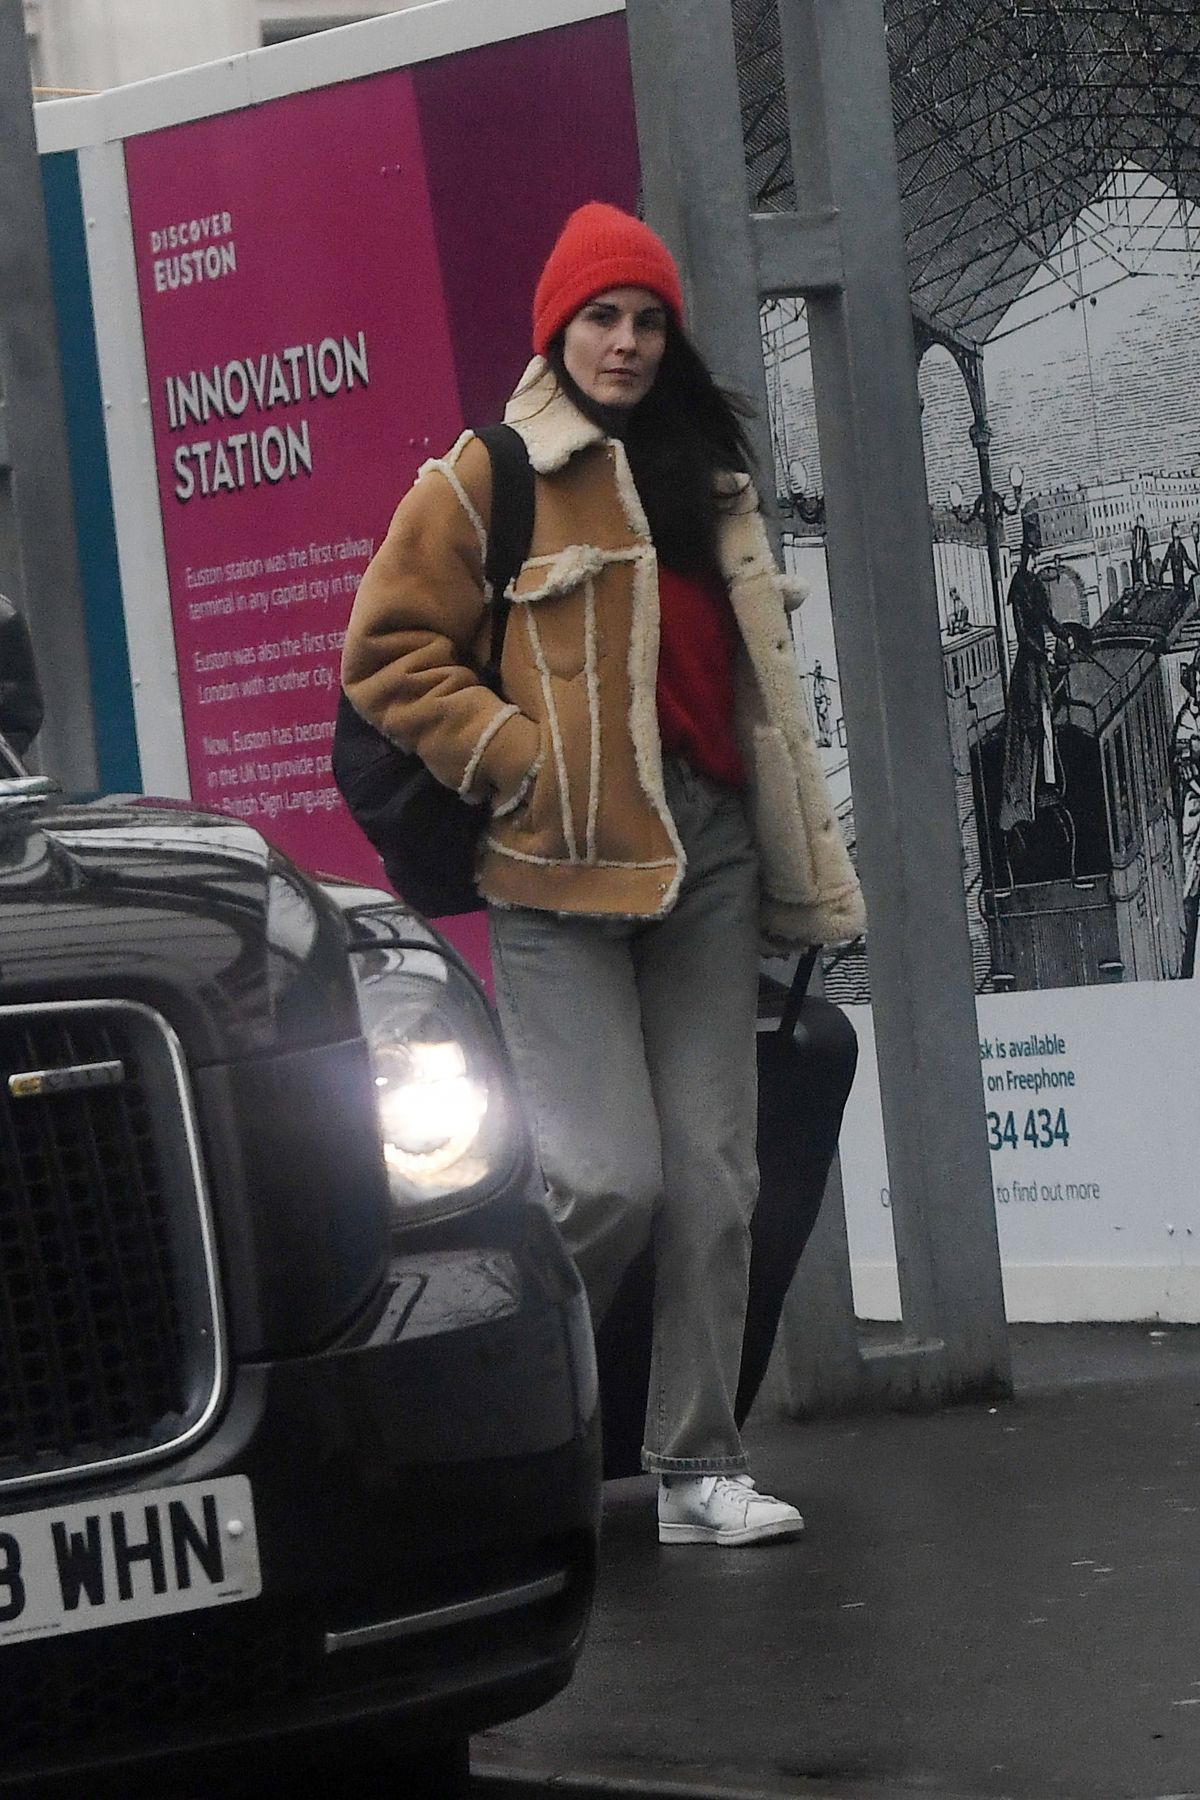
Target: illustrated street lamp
[[990, 507], [1004, 505]]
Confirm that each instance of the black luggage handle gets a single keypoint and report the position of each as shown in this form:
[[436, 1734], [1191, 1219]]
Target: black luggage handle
[[796, 993]]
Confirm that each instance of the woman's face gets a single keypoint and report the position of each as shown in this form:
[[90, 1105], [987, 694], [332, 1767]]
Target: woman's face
[[614, 344]]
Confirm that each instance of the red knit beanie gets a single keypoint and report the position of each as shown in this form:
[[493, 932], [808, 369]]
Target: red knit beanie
[[601, 247]]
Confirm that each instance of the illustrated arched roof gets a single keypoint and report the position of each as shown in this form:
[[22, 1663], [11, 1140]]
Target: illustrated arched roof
[[1014, 119]]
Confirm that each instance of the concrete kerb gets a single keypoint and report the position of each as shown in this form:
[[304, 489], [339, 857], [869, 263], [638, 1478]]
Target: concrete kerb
[[501, 1776]]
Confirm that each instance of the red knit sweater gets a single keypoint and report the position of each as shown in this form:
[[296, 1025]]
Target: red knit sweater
[[697, 638]]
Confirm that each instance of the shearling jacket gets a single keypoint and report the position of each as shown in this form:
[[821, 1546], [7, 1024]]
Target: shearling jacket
[[569, 760]]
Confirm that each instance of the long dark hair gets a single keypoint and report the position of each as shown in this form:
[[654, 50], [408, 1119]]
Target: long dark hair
[[677, 438]]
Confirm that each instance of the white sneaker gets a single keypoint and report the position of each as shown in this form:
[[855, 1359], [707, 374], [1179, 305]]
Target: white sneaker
[[722, 1509]]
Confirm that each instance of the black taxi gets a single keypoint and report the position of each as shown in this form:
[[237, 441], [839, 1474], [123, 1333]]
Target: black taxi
[[298, 1406]]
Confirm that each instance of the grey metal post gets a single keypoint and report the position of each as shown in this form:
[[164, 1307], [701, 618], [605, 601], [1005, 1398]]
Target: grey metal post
[[922, 981], [694, 192], [694, 187], [36, 430], [844, 251]]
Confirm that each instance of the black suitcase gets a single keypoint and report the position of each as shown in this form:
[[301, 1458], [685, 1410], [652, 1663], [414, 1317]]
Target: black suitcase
[[805, 1070]]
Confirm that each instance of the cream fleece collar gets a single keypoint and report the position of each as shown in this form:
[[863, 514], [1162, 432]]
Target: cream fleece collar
[[553, 427]]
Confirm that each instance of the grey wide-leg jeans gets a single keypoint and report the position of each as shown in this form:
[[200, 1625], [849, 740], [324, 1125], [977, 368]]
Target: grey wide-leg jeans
[[634, 1045]]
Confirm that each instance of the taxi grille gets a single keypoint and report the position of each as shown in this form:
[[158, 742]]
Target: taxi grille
[[106, 1315]]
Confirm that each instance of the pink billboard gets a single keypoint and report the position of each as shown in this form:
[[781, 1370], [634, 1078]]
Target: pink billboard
[[332, 285]]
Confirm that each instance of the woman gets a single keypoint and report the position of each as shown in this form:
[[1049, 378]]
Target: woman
[[656, 807]]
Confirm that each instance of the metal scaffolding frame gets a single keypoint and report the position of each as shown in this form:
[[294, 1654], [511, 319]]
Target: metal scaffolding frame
[[842, 248]]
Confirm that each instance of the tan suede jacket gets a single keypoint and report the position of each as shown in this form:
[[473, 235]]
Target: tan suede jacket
[[569, 760]]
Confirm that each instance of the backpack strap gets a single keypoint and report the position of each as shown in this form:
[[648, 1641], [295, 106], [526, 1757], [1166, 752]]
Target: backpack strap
[[511, 528]]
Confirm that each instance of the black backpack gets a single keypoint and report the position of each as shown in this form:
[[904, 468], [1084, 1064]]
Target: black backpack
[[426, 835]]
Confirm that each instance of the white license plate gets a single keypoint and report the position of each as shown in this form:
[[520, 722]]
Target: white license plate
[[133, 1556]]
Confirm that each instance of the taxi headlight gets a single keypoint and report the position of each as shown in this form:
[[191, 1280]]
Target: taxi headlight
[[449, 1129]]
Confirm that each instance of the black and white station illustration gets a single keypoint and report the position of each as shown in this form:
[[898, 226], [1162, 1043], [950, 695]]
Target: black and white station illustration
[[1050, 172]]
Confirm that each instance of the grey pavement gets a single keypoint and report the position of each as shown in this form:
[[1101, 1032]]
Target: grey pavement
[[988, 1602]]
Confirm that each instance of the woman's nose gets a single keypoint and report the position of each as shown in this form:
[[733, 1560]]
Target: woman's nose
[[626, 336]]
